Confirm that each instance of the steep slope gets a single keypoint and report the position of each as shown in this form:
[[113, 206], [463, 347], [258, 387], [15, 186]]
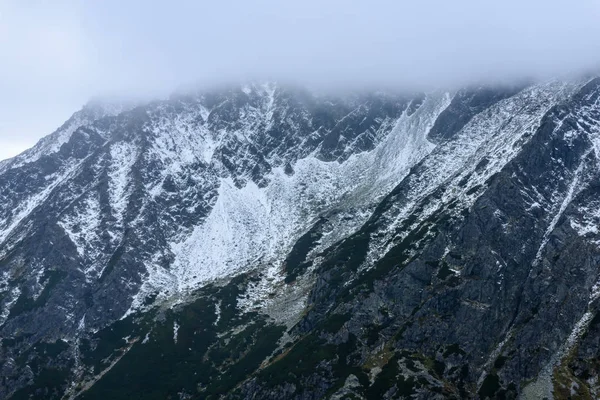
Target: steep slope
[[266, 242], [117, 214]]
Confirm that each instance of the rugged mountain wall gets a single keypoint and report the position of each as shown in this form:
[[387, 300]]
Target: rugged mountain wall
[[267, 242]]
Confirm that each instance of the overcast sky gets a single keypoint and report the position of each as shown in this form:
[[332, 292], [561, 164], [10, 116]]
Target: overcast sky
[[55, 55]]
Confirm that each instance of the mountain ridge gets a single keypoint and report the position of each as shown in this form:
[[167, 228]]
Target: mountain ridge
[[313, 205]]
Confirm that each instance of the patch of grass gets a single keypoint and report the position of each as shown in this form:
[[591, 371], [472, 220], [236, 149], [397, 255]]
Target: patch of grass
[[444, 271], [50, 383], [453, 349], [388, 378], [500, 361], [372, 333], [301, 360], [334, 322], [295, 262], [200, 359], [380, 358], [489, 387]]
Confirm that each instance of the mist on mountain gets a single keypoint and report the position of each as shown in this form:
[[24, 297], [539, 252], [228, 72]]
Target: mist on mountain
[[55, 56]]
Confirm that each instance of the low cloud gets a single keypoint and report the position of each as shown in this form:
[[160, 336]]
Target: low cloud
[[56, 55]]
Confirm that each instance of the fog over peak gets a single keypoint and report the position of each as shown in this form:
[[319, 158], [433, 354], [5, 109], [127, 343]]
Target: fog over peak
[[58, 54]]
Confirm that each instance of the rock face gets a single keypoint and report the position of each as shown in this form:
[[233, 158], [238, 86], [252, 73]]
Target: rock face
[[267, 242]]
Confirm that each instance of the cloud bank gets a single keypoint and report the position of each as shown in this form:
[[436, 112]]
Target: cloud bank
[[57, 54]]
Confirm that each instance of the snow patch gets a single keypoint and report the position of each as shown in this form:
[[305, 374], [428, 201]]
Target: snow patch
[[123, 155], [250, 227], [82, 224], [175, 331], [11, 299]]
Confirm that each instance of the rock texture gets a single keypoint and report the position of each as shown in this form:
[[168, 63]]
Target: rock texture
[[266, 242]]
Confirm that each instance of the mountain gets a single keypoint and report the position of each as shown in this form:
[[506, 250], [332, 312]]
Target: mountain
[[264, 241]]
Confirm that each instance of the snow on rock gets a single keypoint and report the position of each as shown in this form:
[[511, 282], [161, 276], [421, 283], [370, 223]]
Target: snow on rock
[[574, 186], [217, 312], [32, 202], [219, 188], [123, 156], [82, 224], [10, 299], [232, 235], [492, 135], [252, 226], [52, 143], [588, 119]]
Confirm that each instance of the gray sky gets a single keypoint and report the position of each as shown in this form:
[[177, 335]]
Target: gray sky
[[57, 54]]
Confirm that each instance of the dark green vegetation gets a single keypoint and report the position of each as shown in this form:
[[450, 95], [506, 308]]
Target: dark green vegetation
[[296, 262], [160, 354], [27, 303], [52, 368], [185, 350]]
